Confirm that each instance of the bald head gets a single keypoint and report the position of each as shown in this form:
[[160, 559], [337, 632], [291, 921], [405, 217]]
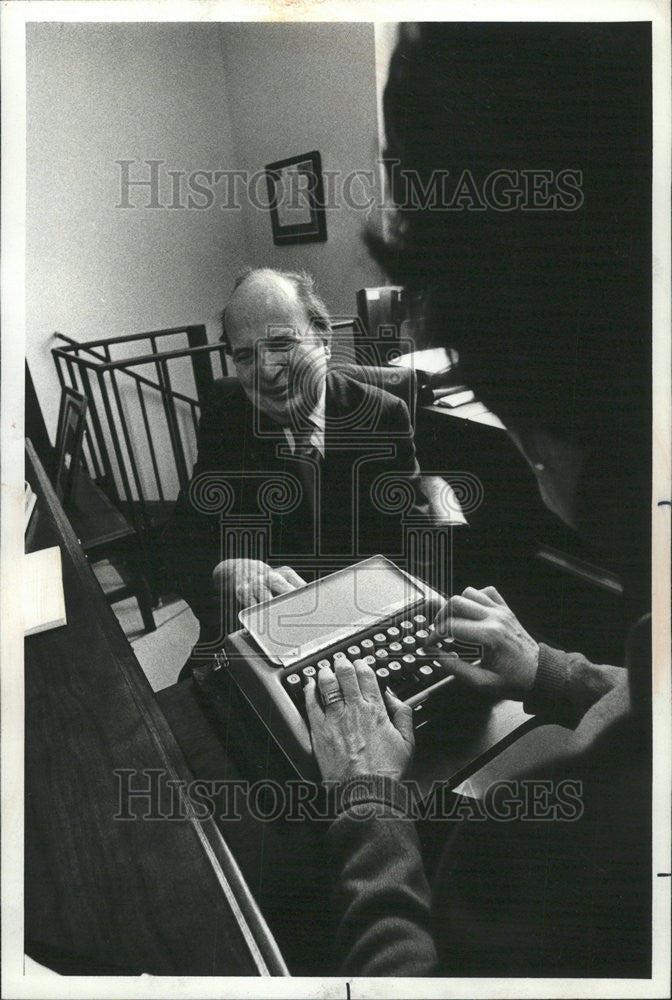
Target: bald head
[[279, 350], [264, 298]]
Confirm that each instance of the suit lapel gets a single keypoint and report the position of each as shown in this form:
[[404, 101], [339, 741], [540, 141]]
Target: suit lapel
[[259, 452], [336, 488]]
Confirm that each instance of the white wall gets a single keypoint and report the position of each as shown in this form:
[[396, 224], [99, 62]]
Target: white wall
[[96, 94], [197, 96], [294, 88]]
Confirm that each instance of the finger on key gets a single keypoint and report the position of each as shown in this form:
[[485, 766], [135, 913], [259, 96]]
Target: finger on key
[[401, 715], [327, 683], [471, 673], [368, 684], [448, 626], [313, 707], [347, 677]]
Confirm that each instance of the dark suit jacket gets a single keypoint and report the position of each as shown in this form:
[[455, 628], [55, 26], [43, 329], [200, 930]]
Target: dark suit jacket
[[245, 471]]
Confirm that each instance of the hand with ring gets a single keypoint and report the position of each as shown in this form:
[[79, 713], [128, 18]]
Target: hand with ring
[[351, 730]]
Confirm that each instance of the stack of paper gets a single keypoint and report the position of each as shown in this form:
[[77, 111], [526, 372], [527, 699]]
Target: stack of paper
[[434, 362], [43, 601]]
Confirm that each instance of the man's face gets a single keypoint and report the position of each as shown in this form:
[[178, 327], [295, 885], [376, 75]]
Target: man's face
[[280, 361]]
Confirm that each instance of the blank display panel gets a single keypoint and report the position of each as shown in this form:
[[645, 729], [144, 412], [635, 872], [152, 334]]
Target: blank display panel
[[293, 626]]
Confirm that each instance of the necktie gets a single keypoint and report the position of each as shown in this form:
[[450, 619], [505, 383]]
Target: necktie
[[309, 459]]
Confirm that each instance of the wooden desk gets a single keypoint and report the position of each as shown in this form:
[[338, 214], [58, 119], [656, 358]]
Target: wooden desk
[[285, 862], [103, 895], [472, 412]]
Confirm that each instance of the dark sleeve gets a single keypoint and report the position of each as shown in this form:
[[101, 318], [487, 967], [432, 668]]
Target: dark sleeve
[[567, 685], [381, 898]]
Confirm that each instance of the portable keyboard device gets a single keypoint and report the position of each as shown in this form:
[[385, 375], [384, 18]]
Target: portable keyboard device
[[373, 611]]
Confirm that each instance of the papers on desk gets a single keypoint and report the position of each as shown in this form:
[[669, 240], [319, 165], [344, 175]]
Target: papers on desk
[[464, 405], [466, 409], [454, 399], [43, 600], [433, 362]]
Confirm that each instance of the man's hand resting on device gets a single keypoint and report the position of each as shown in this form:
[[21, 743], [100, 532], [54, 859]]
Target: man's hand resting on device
[[353, 734], [510, 658], [253, 581]]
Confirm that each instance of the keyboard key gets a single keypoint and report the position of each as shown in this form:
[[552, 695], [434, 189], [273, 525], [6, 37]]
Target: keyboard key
[[395, 647], [427, 675], [380, 638], [370, 660], [382, 654], [323, 663], [419, 619], [367, 643], [393, 632], [382, 672], [394, 666], [409, 640], [406, 626], [309, 672], [422, 633], [409, 658], [354, 651], [340, 655], [294, 687]]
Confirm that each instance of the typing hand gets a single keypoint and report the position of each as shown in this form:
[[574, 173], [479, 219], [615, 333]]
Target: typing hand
[[510, 657], [253, 581], [353, 734]]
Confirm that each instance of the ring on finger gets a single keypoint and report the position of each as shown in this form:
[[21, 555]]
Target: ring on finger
[[331, 697]]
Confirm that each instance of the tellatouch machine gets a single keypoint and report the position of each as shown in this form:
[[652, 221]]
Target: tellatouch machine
[[374, 611]]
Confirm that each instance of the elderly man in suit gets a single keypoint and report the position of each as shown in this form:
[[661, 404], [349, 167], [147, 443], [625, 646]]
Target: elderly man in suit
[[319, 435]]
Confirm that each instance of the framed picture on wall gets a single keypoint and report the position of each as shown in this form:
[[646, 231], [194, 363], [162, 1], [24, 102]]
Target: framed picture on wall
[[69, 435], [296, 199]]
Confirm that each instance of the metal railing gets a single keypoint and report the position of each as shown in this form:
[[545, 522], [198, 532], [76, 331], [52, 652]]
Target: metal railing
[[142, 421], [130, 411]]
